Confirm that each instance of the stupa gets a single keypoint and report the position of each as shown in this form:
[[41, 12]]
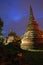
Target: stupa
[[31, 37]]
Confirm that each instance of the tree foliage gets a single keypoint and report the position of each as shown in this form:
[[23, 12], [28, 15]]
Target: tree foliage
[[1, 25]]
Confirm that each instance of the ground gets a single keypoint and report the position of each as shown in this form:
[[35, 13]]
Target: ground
[[13, 55]]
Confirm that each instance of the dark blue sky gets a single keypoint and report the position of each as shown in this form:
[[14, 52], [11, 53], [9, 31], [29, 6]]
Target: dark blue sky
[[15, 14]]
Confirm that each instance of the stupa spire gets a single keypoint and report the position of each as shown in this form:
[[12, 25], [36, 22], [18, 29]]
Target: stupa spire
[[32, 25], [11, 30], [31, 14]]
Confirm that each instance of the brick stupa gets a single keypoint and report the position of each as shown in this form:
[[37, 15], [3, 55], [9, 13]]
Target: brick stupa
[[32, 38]]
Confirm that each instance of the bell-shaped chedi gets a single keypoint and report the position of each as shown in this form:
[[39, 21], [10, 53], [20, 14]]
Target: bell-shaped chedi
[[12, 38], [31, 38], [13, 35]]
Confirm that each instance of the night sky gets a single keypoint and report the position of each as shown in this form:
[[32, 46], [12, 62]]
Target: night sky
[[15, 14]]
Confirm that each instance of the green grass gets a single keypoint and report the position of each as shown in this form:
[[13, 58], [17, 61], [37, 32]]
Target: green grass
[[34, 50]]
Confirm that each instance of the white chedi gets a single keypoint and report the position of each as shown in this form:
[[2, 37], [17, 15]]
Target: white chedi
[[9, 40]]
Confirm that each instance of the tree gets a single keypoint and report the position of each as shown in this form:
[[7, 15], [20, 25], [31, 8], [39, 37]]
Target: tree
[[1, 25]]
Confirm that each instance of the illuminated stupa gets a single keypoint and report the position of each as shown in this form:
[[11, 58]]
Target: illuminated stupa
[[31, 38]]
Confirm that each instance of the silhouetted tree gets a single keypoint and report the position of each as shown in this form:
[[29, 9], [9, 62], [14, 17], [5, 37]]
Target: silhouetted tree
[[1, 25]]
